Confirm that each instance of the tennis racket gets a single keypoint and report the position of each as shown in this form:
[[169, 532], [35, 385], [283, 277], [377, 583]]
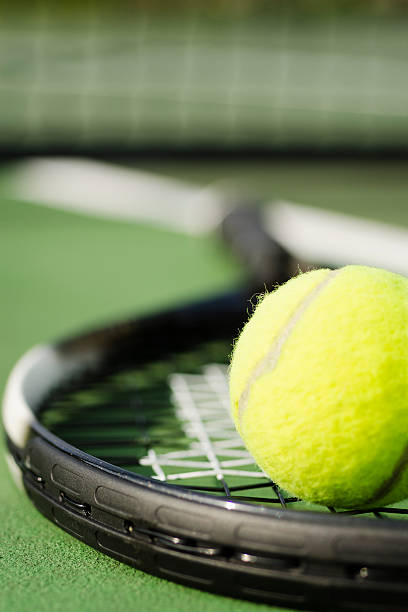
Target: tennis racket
[[122, 437]]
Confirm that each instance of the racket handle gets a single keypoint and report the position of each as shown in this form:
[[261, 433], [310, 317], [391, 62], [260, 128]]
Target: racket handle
[[267, 262]]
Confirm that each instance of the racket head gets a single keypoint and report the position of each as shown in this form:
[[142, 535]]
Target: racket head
[[234, 542]]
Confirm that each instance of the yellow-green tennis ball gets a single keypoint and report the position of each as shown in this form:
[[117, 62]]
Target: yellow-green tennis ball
[[319, 386]]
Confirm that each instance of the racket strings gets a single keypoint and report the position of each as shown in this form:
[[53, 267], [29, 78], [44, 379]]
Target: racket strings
[[169, 420]]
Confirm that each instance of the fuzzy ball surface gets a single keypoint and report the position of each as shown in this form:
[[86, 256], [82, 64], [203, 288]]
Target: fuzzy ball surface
[[319, 386]]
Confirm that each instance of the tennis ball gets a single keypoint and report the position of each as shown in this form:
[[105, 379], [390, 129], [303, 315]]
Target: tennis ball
[[319, 386]]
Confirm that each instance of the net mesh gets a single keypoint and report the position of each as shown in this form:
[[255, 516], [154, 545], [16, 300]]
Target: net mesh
[[224, 75]]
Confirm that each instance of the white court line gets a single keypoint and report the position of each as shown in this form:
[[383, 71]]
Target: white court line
[[336, 239], [112, 192], [108, 191]]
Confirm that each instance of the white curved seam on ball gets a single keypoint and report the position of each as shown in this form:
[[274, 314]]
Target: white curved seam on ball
[[270, 361]]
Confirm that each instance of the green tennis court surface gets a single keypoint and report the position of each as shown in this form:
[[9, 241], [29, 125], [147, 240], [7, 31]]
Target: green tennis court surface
[[61, 272]]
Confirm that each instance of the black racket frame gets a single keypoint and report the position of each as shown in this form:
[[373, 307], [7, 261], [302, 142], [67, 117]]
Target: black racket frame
[[305, 560]]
